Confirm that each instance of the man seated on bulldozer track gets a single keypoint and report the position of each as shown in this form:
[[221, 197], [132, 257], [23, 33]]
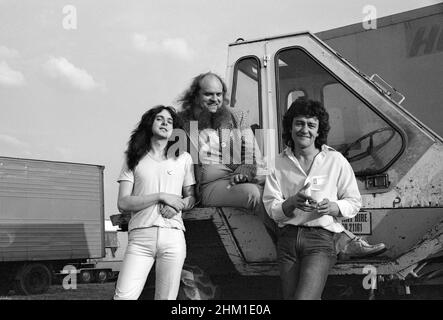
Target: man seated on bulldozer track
[[231, 184]]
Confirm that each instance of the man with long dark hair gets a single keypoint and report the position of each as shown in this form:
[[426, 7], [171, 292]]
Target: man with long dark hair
[[156, 186]]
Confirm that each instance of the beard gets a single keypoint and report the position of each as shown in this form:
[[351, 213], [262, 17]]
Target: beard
[[220, 119]]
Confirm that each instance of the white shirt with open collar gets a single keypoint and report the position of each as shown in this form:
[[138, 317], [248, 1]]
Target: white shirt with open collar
[[331, 176]]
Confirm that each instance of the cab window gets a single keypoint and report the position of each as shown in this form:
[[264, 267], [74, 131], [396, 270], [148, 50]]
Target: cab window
[[246, 89], [364, 137], [294, 95]]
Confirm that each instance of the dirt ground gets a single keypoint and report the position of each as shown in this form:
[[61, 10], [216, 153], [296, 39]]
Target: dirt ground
[[241, 288]]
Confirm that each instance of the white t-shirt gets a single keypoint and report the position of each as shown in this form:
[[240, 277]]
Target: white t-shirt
[[151, 176]]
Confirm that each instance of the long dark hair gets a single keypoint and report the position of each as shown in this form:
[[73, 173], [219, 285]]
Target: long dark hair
[[190, 96], [307, 108], [139, 143]]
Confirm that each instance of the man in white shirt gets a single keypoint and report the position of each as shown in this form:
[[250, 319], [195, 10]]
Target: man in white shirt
[[310, 190], [156, 185]]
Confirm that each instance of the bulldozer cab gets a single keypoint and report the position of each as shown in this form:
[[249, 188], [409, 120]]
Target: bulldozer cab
[[396, 159]]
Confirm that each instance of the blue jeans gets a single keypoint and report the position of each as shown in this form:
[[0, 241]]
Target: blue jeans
[[305, 256]]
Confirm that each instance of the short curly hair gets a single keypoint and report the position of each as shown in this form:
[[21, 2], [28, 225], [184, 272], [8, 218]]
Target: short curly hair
[[307, 108]]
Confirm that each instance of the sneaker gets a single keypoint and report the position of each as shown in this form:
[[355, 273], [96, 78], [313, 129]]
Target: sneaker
[[359, 248]]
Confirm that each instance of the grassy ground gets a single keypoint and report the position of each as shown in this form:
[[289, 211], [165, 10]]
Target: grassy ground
[[248, 288], [241, 288], [90, 291]]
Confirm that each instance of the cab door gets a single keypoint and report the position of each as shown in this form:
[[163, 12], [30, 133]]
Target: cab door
[[246, 83]]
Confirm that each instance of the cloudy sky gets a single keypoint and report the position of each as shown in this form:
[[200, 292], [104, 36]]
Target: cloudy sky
[[75, 76]]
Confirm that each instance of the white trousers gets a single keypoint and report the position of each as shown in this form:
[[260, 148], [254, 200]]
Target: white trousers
[[167, 247]]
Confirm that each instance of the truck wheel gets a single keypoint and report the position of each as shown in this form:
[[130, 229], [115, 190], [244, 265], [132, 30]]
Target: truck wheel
[[102, 276], [195, 284], [33, 278], [86, 276]]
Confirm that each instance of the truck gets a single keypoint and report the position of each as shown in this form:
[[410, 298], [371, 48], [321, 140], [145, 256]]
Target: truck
[[115, 246], [397, 159], [51, 216]]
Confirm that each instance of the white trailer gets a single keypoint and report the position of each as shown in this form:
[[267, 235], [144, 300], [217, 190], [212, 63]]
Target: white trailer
[[51, 215]]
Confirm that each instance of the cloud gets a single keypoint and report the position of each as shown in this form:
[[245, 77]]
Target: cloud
[[66, 154], [10, 77], [61, 68], [19, 148], [7, 53], [176, 47]]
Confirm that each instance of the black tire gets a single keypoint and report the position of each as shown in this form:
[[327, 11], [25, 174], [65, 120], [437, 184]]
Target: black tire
[[102, 276], [86, 276], [33, 278]]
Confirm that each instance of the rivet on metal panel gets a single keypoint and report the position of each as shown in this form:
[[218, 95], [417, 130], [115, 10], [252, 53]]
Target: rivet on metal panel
[[396, 201]]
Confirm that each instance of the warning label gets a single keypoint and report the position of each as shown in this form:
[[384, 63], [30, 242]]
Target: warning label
[[360, 224]]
